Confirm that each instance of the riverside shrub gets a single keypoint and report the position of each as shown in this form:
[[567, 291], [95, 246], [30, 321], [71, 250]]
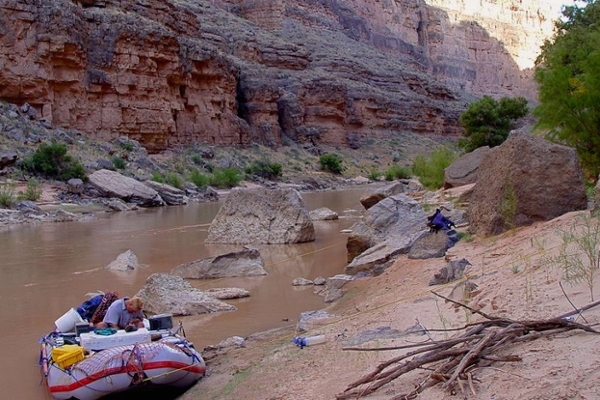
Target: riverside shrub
[[265, 169], [331, 163], [53, 161]]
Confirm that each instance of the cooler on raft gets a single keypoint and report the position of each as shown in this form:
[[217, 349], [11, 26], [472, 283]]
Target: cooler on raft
[[94, 342]]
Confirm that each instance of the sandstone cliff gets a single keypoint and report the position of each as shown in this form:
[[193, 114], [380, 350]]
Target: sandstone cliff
[[235, 72]]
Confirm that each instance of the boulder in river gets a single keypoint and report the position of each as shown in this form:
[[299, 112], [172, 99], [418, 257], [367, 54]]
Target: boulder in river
[[163, 293], [268, 216], [126, 261], [247, 262]]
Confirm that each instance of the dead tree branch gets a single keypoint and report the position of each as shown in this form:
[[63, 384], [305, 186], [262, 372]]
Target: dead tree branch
[[456, 359]]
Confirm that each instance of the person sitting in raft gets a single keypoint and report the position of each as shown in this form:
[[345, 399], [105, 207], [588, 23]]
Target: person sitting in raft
[[125, 313]]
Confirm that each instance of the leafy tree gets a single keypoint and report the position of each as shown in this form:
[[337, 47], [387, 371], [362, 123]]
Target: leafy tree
[[568, 74], [487, 122]]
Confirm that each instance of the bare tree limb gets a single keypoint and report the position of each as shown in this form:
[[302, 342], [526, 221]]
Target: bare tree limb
[[457, 358]]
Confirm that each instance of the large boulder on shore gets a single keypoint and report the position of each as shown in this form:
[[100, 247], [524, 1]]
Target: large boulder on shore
[[368, 200], [378, 258], [396, 216], [267, 216], [163, 293], [171, 195], [524, 180], [465, 170], [113, 184]]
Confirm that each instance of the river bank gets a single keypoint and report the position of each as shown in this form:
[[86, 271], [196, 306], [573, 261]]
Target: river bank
[[514, 280]]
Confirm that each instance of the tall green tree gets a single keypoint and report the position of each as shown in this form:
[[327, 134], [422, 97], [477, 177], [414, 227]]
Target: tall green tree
[[487, 122], [568, 74]]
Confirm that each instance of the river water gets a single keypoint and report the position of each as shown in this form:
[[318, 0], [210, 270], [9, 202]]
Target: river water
[[46, 269]]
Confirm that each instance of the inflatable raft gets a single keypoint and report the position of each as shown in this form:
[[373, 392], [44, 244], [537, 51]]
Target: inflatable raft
[[88, 366]]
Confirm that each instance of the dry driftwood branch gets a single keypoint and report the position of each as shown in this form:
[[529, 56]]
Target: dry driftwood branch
[[569, 300], [454, 359]]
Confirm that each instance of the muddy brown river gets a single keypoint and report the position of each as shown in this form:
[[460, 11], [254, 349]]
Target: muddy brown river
[[48, 268]]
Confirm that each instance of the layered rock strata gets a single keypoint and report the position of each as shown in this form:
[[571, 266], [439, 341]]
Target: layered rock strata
[[231, 72]]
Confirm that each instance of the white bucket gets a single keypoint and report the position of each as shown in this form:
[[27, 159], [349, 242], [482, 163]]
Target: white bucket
[[67, 322]]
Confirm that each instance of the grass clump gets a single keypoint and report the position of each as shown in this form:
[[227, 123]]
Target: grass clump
[[374, 174], [579, 254], [127, 146], [157, 177], [33, 191], [430, 169], [465, 236], [7, 195], [118, 163], [174, 180], [397, 172], [508, 208]]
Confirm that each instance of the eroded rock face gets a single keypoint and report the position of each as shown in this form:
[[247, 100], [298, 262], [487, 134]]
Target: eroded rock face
[[262, 215], [487, 47], [525, 179], [176, 72]]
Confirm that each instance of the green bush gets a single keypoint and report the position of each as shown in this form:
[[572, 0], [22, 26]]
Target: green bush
[[430, 170], [199, 179], [226, 177], [53, 161], [331, 163], [397, 172], [119, 163], [265, 169], [33, 192]]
